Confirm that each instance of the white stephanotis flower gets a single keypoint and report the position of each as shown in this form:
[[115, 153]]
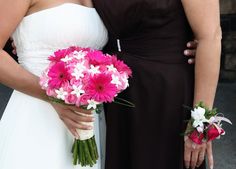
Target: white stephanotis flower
[[77, 90], [92, 104], [78, 73], [61, 93], [79, 55], [111, 68], [66, 59], [94, 69], [80, 66], [115, 80], [198, 114], [125, 81]]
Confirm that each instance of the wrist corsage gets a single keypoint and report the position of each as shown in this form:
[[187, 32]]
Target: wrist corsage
[[205, 125]]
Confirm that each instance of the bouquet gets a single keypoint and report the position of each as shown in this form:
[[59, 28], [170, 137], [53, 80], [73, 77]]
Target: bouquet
[[85, 78], [205, 125]]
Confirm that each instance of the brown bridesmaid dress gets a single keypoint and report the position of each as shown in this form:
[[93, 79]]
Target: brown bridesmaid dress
[[150, 36]]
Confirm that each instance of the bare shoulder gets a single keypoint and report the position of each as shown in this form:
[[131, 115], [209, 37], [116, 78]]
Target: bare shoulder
[[11, 13], [203, 16]]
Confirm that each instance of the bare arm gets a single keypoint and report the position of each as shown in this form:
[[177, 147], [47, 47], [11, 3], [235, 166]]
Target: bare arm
[[204, 18], [16, 77], [12, 74]]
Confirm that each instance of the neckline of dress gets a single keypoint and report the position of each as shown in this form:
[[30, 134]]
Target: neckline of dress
[[59, 6]]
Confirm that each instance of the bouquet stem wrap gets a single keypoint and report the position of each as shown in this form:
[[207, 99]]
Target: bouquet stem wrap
[[86, 134]]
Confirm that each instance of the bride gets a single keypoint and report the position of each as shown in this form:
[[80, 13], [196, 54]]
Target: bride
[[32, 129]]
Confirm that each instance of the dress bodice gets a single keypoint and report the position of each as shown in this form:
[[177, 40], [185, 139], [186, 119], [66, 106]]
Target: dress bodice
[[154, 29], [135, 17], [41, 33]]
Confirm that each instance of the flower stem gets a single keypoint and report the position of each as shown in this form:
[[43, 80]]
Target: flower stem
[[95, 147], [75, 152], [91, 149], [88, 155], [85, 152], [81, 153]]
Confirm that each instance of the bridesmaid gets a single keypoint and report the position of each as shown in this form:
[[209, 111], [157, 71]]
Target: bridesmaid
[[150, 37]]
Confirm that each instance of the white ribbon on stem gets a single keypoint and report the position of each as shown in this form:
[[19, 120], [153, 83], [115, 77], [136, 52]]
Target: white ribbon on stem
[[86, 134]]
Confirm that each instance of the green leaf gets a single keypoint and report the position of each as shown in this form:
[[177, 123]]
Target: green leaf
[[123, 102], [99, 108]]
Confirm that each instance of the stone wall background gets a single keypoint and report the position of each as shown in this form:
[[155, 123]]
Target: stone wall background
[[228, 24], [228, 6]]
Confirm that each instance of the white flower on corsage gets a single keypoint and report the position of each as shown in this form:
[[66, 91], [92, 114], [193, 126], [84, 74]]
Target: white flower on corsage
[[198, 115]]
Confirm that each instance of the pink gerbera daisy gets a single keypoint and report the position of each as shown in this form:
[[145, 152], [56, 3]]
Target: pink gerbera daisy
[[58, 75], [121, 66], [100, 88], [58, 55], [98, 58]]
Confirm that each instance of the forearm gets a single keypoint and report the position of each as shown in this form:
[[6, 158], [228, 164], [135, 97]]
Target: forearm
[[207, 70], [16, 77]]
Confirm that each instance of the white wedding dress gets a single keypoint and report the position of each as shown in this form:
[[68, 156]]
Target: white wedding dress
[[31, 134]]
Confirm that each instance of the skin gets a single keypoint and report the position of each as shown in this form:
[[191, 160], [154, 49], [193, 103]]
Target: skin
[[206, 27], [191, 51], [28, 83]]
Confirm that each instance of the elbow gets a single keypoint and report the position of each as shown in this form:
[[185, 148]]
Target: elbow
[[214, 34]]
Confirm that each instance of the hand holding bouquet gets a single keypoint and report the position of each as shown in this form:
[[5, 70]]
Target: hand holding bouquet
[[85, 78]]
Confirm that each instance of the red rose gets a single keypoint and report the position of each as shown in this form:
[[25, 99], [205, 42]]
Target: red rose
[[196, 137], [213, 133]]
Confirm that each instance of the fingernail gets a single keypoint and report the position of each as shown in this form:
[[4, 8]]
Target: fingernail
[[188, 45], [211, 167], [186, 52], [90, 128]]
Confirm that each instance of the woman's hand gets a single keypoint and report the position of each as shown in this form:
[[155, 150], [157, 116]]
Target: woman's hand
[[73, 120], [194, 154], [190, 51]]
